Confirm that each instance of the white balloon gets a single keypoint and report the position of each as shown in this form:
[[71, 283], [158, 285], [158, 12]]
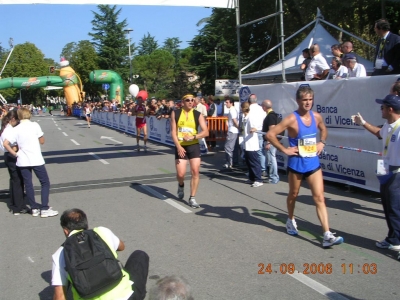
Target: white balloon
[[133, 90]]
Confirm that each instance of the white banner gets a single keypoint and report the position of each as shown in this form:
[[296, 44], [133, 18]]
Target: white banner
[[157, 130], [202, 3], [336, 101]]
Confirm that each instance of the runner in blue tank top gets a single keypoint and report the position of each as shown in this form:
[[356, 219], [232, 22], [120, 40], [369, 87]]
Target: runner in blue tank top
[[303, 162]]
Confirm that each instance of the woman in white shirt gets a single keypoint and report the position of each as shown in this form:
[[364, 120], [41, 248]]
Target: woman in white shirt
[[29, 136], [17, 204]]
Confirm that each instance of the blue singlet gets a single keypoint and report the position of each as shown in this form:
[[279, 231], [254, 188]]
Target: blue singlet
[[296, 162]]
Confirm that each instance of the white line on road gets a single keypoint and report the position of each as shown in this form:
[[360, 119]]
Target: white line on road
[[75, 142], [56, 124], [323, 290], [30, 259], [165, 199], [59, 128], [102, 160], [65, 134]]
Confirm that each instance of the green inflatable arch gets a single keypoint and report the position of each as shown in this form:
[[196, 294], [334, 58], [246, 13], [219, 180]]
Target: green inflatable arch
[[116, 84]]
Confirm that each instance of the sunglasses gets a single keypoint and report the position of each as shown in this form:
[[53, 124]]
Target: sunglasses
[[189, 100]]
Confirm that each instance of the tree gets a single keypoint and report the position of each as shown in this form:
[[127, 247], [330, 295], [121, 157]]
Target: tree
[[147, 45], [109, 40], [84, 60], [68, 50], [26, 61], [155, 71]]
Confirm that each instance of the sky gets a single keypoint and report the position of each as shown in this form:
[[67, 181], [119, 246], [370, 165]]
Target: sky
[[51, 27]]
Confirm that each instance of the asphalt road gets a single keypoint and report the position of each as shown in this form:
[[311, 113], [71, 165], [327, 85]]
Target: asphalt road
[[234, 247]]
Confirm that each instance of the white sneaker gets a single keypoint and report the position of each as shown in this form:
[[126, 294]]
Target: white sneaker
[[330, 240], [35, 212], [181, 192], [193, 203], [48, 213], [257, 184], [291, 227]]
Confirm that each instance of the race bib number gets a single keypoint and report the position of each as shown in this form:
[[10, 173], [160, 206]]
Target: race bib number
[[184, 131], [140, 114], [307, 147]]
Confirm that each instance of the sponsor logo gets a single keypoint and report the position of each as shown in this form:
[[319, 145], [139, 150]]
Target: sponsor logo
[[30, 82], [103, 75]]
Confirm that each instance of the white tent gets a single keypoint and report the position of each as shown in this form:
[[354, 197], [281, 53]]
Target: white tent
[[202, 3], [294, 59]]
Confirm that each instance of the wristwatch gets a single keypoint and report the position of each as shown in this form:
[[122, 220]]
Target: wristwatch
[[323, 142]]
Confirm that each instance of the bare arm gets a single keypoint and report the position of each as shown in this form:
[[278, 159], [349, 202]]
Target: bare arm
[[60, 292], [271, 135], [10, 149], [204, 128], [371, 128], [323, 132], [41, 140]]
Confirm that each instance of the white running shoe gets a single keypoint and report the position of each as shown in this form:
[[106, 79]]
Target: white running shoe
[[291, 227], [193, 203], [35, 212], [48, 213], [257, 184], [330, 240]]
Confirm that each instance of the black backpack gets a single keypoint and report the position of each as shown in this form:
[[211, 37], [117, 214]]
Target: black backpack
[[90, 264]]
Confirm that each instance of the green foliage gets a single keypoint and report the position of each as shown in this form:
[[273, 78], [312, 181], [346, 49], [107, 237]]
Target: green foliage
[[84, 60], [25, 61], [156, 72], [109, 40], [147, 45]]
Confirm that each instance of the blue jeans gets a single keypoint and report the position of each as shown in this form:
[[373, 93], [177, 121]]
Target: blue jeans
[[261, 154], [272, 165], [41, 174]]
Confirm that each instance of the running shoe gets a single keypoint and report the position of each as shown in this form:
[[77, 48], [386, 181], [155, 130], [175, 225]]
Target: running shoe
[[257, 184], [181, 192], [248, 181], [291, 227], [385, 245], [35, 212], [48, 213], [330, 239], [193, 203], [145, 148]]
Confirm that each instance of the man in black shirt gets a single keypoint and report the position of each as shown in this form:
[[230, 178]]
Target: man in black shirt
[[270, 121]]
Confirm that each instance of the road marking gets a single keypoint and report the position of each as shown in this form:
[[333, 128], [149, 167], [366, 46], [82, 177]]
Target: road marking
[[56, 124], [75, 142], [65, 134], [111, 139], [316, 286], [97, 157], [165, 199], [30, 259], [59, 128]]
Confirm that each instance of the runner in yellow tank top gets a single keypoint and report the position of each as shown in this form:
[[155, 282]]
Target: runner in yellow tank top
[[186, 139]]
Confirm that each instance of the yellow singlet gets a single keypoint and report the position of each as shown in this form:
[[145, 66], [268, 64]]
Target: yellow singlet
[[186, 127]]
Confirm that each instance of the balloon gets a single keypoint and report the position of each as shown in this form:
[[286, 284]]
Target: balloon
[[133, 90]]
